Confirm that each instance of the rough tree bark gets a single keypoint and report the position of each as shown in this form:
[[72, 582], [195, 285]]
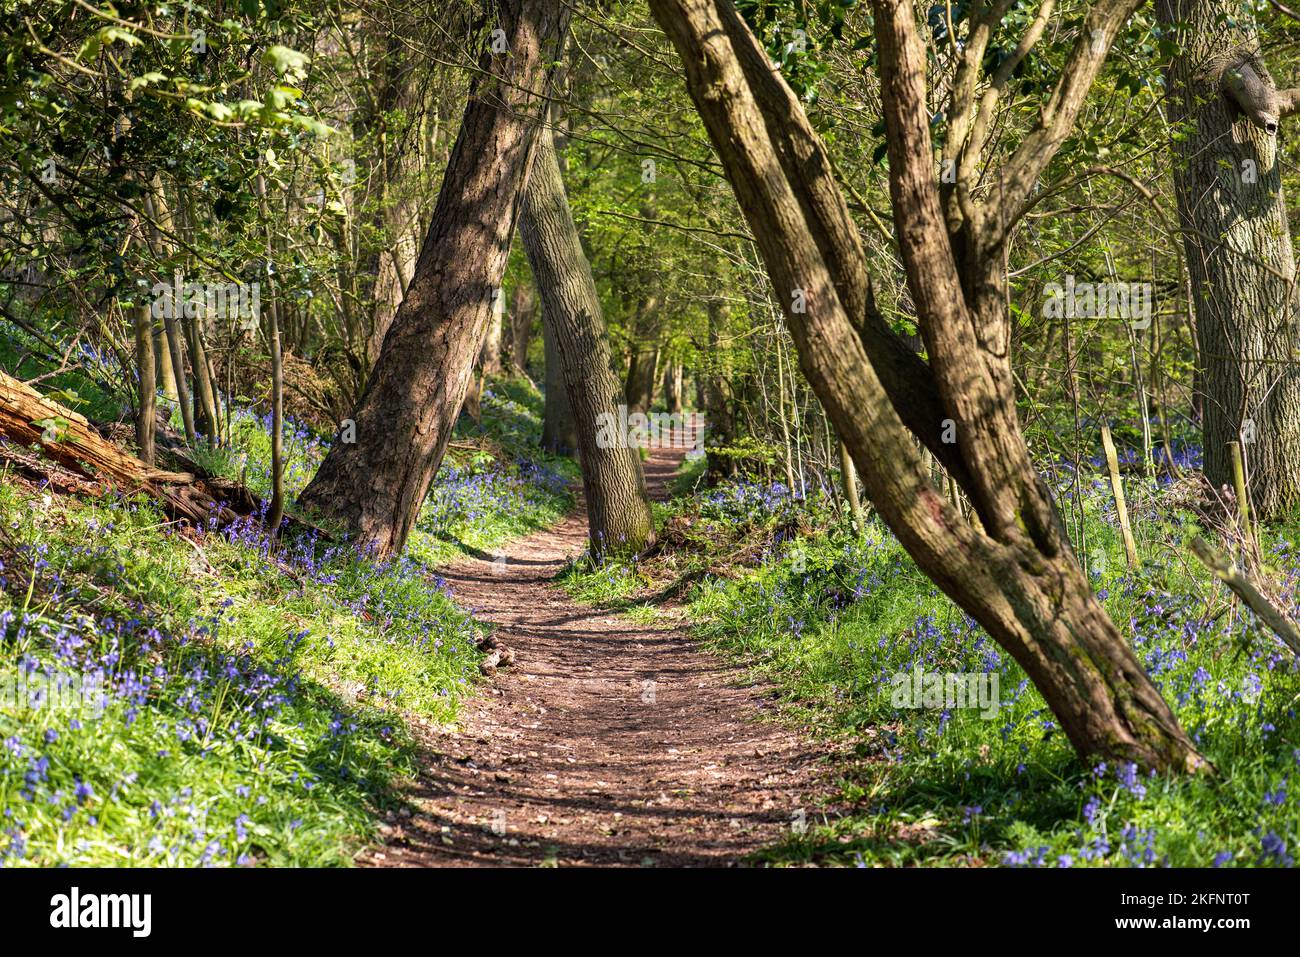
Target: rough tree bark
[[618, 510], [376, 485], [559, 431], [1016, 574], [1228, 179]]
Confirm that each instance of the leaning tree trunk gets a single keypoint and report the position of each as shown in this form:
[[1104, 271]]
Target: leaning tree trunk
[[1016, 576], [376, 485], [559, 431], [1228, 179], [618, 510]]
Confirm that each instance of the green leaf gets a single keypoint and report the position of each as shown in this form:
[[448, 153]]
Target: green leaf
[[285, 62], [145, 79]]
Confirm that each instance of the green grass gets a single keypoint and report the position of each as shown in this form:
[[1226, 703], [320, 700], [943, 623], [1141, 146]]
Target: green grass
[[237, 705], [260, 708], [251, 709], [495, 483], [829, 616]]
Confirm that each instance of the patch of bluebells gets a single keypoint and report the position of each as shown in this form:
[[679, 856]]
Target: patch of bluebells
[[176, 696], [469, 497], [1232, 685], [399, 596], [747, 502]]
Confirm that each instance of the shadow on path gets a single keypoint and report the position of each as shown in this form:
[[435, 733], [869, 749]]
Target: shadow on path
[[607, 742]]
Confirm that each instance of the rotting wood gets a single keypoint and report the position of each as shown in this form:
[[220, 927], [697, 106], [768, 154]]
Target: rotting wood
[[68, 440]]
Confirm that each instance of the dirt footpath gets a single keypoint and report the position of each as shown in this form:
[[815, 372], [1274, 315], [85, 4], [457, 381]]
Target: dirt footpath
[[606, 742]]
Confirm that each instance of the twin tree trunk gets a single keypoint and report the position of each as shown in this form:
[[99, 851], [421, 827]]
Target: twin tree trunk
[[618, 510], [1228, 179], [1017, 575], [376, 485]]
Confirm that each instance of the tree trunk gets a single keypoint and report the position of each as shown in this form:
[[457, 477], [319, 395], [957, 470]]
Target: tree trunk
[[642, 371], [673, 387], [155, 204], [205, 399], [618, 510], [559, 431], [716, 403], [146, 416], [203, 392], [392, 116], [376, 485], [1016, 576], [176, 349], [166, 377], [849, 479], [1228, 179], [523, 311], [276, 513], [490, 356]]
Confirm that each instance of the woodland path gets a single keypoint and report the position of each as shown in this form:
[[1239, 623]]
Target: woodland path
[[607, 742]]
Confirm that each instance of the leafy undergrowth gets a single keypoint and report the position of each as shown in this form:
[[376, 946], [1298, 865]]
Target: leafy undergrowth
[[194, 697], [495, 483], [188, 699], [831, 616]]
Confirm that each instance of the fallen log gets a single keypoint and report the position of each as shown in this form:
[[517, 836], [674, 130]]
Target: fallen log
[[32, 421], [1232, 576]]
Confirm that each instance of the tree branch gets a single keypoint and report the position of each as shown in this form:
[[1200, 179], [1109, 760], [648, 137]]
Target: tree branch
[[1019, 174], [1230, 575]]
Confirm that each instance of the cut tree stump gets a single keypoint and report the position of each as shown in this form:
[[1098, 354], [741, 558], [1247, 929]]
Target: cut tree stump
[[30, 420]]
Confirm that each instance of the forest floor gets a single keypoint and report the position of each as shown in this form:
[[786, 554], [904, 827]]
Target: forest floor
[[607, 741]]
